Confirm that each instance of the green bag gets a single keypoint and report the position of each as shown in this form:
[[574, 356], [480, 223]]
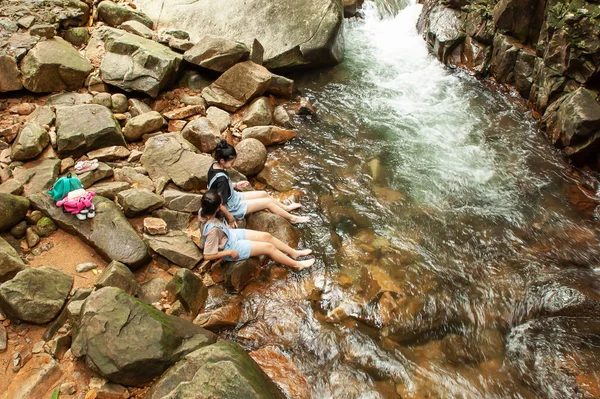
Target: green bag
[[64, 186]]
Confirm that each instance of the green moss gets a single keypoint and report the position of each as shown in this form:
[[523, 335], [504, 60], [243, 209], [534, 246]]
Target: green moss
[[45, 222]]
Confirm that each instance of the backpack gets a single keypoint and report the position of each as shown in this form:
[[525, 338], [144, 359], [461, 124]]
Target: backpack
[[63, 186]]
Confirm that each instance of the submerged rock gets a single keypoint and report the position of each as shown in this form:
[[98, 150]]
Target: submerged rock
[[109, 232], [268, 135], [222, 370], [128, 341], [36, 295]]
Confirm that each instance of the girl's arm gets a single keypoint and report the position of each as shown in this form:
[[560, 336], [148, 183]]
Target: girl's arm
[[221, 254], [228, 216]]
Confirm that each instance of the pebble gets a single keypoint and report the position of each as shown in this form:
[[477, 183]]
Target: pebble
[[68, 388], [38, 347], [84, 267]]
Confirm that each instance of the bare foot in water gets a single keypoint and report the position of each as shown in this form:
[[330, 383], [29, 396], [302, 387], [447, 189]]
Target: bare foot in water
[[302, 252], [304, 264], [293, 206], [300, 219]]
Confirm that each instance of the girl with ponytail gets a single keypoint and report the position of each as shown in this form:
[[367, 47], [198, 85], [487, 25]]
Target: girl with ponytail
[[236, 205]]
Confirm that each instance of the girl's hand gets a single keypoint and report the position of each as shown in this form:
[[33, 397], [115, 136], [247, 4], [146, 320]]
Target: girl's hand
[[232, 223], [233, 254], [242, 184]]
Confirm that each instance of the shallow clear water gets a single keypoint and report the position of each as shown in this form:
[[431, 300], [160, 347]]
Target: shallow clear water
[[452, 262]]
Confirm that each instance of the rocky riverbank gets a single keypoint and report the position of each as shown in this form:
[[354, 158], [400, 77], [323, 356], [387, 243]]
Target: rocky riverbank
[[547, 51], [111, 306]]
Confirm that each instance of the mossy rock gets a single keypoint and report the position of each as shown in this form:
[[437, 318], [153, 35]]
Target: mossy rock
[[45, 227]]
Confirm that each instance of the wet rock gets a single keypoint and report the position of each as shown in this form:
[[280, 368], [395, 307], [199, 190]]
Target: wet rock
[[78, 36], [137, 28], [34, 379], [169, 157], [504, 58], [31, 237], [444, 31], [282, 118], [54, 65], [126, 64], [109, 154], [114, 14], [109, 232], [241, 273], [187, 288], [177, 247], [132, 177], [118, 275], [182, 201], [37, 176], [92, 176], [275, 176], [308, 39], [138, 201], [10, 262], [305, 107], [175, 220], [268, 135], [219, 117], [476, 56], [137, 107], [45, 227], [10, 79], [350, 8], [12, 210], [276, 225], [238, 85], [155, 226], [94, 128], [515, 17], [36, 295], [222, 370], [203, 134], [128, 341], [283, 372], [30, 142], [18, 231], [222, 318], [217, 54], [152, 290], [258, 113], [11, 186], [85, 267], [251, 156]]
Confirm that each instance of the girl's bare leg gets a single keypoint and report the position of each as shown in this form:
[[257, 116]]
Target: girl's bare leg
[[261, 236], [255, 205], [266, 248], [250, 195]]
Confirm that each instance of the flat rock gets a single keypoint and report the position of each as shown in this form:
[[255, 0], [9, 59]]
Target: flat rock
[[13, 209], [36, 295], [238, 85], [110, 189], [217, 54], [175, 220], [137, 28], [54, 65], [36, 377], [10, 262], [223, 318], [155, 226], [11, 186], [69, 99], [177, 247], [129, 342], [109, 232], [37, 176], [268, 135], [293, 34], [131, 176], [112, 153], [182, 201], [221, 370], [90, 177], [92, 129], [138, 201]]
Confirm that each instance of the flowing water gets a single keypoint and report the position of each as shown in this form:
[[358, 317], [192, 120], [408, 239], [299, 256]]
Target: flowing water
[[451, 260]]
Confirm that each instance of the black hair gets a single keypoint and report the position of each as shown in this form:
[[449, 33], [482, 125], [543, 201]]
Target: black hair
[[224, 151], [210, 202]]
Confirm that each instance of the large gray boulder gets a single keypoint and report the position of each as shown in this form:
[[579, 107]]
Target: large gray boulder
[[203, 134], [133, 63], [128, 341], [222, 370], [13, 209], [177, 247], [54, 65], [293, 34], [83, 128], [138, 201], [216, 53], [109, 232], [169, 157], [114, 14], [30, 142], [36, 295], [10, 262], [238, 85]]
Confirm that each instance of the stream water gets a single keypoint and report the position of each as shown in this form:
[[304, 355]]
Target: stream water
[[451, 260]]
